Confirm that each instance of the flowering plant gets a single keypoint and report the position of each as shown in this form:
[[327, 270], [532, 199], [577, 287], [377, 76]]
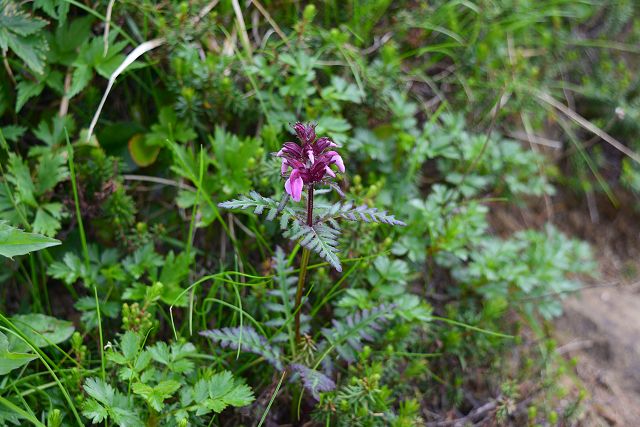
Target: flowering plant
[[310, 160], [309, 163]]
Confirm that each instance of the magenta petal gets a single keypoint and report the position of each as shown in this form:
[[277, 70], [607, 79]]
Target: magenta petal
[[293, 185], [330, 172], [335, 158], [284, 167]]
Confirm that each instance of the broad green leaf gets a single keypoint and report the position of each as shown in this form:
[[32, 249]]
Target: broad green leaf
[[14, 242], [41, 330], [10, 360]]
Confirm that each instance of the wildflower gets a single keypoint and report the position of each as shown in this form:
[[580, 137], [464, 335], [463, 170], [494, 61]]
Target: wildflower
[[310, 160]]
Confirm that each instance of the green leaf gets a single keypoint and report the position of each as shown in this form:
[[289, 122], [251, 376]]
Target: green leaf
[[68, 38], [169, 127], [12, 133], [14, 242], [130, 345], [27, 89], [99, 390], [20, 177], [94, 411], [79, 80], [22, 34], [11, 360], [220, 391], [56, 9], [52, 134], [156, 395], [41, 330], [108, 402], [47, 220], [69, 270], [52, 170]]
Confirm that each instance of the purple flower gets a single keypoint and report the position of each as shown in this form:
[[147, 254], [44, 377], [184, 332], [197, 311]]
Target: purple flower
[[310, 160]]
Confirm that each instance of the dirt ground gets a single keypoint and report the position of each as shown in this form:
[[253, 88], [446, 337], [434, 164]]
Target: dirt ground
[[601, 323]]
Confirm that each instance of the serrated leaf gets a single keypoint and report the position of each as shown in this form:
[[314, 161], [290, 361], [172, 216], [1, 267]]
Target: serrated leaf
[[45, 221], [27, 89], [20, 177], [94, 411], [52, 170], [12, 133], [220, 391], [15, 242], [130, 345], [54, 8], [99, 390], [105, 401], [79, 80], [22, 34], [156, 395]]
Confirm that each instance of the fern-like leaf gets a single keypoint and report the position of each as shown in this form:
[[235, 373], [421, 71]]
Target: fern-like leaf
[[281, 303], [320, 238], [260, 204], [348, 334], [248, 340], [313, 381], [360, 213]]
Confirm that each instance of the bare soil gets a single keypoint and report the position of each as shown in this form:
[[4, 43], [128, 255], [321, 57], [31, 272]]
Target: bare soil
[[601, 324]]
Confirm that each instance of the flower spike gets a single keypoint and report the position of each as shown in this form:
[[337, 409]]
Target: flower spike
[[310, 159]]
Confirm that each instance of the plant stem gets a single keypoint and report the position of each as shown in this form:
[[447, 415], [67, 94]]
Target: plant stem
[[303, 264]]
